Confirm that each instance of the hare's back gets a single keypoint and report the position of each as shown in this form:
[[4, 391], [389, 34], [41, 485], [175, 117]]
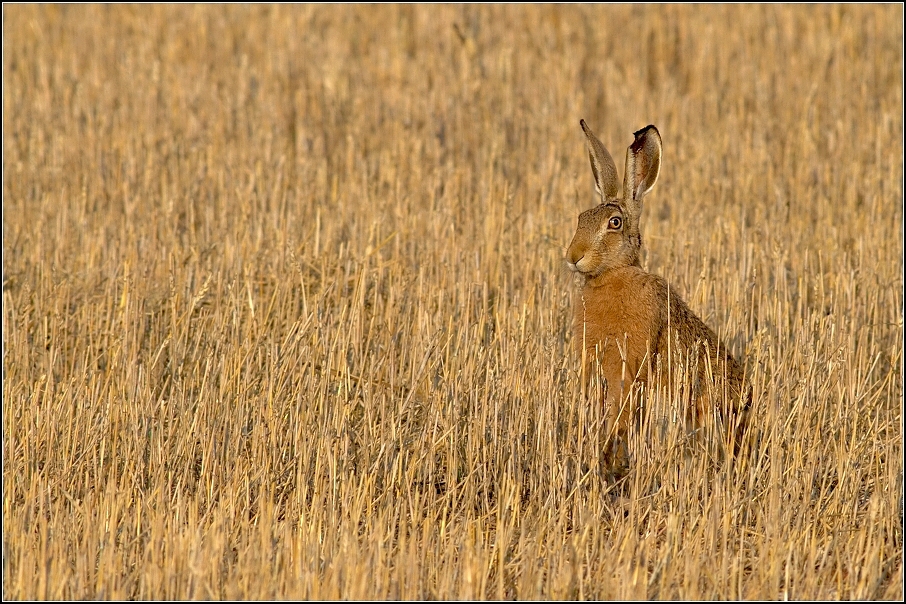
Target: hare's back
[[691, 338]]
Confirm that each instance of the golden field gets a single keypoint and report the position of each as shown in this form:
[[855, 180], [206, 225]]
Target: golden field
[[286, 315]]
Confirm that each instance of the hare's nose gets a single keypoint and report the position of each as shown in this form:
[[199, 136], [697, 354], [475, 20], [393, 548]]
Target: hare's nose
[[574, 255]]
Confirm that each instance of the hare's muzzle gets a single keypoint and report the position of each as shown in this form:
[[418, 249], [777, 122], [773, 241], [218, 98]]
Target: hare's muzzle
[[576, 254], [579, 265]]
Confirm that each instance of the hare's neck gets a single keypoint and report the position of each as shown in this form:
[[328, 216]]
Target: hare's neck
[[619, 273]]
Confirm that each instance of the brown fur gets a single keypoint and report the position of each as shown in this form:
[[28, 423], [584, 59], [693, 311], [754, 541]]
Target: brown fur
[[626, 320]]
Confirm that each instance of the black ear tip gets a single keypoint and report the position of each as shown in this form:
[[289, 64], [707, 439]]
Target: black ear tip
[[642, 135], [645, 130]]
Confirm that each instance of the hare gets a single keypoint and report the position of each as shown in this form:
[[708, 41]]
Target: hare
[[629, 325]]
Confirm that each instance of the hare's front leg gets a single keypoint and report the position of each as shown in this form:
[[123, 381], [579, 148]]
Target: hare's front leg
[[618, 387]]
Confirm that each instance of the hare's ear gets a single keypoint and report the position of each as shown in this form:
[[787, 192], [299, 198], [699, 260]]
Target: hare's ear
[[607, 184], [643, 162]]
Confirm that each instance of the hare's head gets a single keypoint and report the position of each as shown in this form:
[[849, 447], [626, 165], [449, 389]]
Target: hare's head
[[608, 235]]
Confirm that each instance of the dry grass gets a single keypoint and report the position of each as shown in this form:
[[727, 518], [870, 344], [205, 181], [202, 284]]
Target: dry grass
[[285, 312]]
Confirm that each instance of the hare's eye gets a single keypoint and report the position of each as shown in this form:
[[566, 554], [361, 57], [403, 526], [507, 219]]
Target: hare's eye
[[615, 222]]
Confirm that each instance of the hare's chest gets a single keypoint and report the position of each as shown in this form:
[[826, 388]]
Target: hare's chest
[[614, 313]]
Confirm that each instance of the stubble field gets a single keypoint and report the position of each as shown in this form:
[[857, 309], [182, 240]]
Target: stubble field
[[285, 311]]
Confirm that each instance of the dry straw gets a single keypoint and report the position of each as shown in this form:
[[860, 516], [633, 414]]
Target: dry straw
[[286, 313]]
